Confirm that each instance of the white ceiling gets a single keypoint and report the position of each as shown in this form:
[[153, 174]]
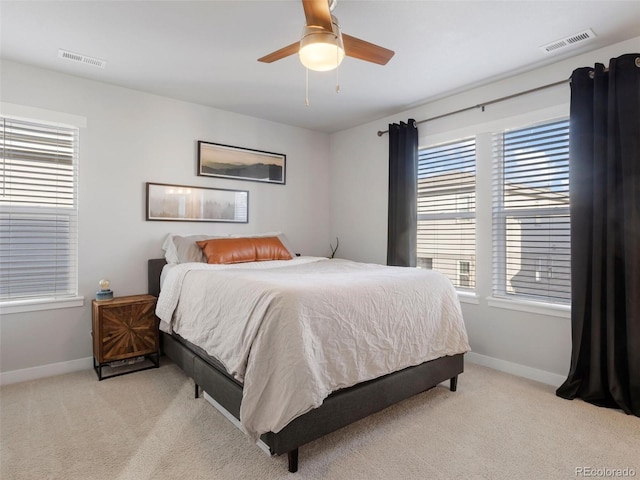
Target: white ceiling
[[205, 51]]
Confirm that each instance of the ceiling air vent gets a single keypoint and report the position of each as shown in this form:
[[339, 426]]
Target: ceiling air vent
[[568, 41], [77, 57]]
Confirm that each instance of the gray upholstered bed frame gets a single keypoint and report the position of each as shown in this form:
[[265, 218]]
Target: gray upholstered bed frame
[[338, 410]]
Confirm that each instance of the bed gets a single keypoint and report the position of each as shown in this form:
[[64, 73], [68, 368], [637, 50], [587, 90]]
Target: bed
[[255, 392]]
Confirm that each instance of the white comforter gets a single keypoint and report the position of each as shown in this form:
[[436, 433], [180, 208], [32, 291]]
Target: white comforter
[[294, 331]]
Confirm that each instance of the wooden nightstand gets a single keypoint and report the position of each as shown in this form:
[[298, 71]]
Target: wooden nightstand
[[125, 328]]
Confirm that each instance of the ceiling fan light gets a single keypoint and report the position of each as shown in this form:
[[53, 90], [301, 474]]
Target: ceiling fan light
[[321, 56], [321, 50]]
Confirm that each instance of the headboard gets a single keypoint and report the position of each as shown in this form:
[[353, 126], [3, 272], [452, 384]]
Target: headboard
[[154, 269]]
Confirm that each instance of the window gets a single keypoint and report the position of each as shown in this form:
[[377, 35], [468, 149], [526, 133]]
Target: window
[[425, 262], [464, 273], [531, 225], [446, 210], [38, 211]]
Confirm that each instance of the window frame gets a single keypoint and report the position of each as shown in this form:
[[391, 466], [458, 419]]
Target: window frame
[[501, 214], [463, 214], [510, 115], [48, 118]]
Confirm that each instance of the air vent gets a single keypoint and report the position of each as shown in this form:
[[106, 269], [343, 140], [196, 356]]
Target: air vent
[[568, 41], [77, 57]]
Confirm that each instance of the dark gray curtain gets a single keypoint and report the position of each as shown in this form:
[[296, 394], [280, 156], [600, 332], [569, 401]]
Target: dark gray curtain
[[403, 190], [605, 235]]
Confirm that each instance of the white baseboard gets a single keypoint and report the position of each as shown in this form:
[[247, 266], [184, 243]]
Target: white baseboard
[[542, 376], [50, 370], [43, 371]]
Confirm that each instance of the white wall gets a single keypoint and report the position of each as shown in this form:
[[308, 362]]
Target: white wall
[[534, 345], [132, 138], [336, 186]]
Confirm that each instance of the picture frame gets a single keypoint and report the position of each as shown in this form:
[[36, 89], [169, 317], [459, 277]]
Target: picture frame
[[237, 163], [182, 203]]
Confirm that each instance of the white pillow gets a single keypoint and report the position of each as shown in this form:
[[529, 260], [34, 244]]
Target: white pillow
[[179, 249], [170, 251]]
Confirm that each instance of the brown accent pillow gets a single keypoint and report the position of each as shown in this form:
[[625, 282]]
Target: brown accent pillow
[[240, 250]]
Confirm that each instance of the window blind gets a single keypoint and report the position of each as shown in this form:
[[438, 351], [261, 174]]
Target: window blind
[[38, 210], [446, 211], [531, 224]]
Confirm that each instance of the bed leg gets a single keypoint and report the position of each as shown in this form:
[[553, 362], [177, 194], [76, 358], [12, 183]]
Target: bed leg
[[197, 391], [293, 460], [453, 383]]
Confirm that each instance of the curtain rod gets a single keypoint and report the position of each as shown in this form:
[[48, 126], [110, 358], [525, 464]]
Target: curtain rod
[[484, 104]]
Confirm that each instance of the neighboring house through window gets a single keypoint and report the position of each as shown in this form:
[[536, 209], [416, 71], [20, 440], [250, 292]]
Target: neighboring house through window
[[446, 211], [425, 262], [525, 181], [531, 234]]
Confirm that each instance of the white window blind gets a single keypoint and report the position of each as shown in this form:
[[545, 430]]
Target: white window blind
[[447, 211], [38, 211], [531, 224]]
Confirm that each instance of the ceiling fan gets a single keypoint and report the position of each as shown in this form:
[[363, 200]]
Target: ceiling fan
[[323, 46]]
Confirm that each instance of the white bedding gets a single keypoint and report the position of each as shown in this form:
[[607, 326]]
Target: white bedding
[[294, 331]]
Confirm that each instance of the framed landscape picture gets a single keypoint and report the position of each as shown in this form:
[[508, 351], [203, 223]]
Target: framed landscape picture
[[225, 161], [196, 204]]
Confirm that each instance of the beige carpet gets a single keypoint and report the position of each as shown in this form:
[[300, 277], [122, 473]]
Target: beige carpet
[[147, 425]]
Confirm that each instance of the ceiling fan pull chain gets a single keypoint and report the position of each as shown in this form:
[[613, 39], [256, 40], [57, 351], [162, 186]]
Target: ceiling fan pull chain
[[337, 80], [306, 89]]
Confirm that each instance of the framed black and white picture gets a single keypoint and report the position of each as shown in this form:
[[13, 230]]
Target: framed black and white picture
[[225, 161], [196, 204]]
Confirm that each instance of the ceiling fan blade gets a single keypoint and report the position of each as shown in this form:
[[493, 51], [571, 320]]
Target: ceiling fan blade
[[282, 53], [317, 14], [356, 48]]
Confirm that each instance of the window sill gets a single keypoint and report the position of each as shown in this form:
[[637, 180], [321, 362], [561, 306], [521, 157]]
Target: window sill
[[541, 308], [468, 297], [34, 305]]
